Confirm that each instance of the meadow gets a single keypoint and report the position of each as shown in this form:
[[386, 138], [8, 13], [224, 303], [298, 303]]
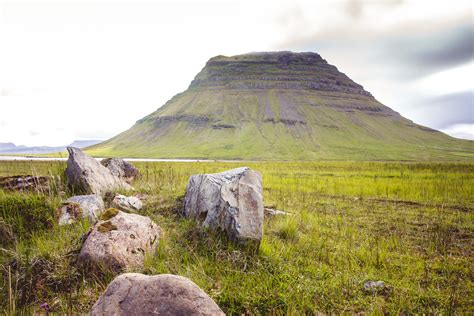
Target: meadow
[[410, 225]]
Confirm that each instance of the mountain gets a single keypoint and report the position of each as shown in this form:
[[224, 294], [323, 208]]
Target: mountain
[[10, 148], [6, 146], [279, 106]]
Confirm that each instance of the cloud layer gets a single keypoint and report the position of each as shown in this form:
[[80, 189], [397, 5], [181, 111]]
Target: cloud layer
[[76, 70]]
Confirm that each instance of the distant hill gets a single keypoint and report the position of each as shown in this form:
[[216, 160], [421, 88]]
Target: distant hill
[[279, 106], [10, 148], [5, 146], [83, 143]]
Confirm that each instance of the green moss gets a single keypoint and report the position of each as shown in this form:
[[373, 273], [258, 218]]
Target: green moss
[[108, 214], [106, 227]]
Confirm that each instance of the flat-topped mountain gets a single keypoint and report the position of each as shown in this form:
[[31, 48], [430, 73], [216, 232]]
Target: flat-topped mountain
[[281, 70], [279, 106]]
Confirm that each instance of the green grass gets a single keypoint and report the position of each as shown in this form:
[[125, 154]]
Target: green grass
[[410, 225]]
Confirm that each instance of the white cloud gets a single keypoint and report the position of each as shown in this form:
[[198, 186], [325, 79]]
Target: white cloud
[[90, 69], [448, 81], [465, 131]]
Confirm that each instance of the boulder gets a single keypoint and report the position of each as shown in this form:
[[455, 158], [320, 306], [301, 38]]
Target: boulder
[[127, 203], [119, 241], [81, 206], [86, 175], [230, 201], [121, 168], [164, 294]]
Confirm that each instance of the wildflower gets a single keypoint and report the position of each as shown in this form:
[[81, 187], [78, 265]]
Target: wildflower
[[45, 306]]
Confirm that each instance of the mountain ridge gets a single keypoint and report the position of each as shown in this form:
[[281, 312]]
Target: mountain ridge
[[279, 106], [11, 148]]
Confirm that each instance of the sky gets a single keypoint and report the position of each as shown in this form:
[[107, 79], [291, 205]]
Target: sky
[[75, 70]]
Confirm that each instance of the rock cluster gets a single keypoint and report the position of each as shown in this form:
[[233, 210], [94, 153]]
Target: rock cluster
[[117, 240], [164, 294], [230, 201], [86, 175]]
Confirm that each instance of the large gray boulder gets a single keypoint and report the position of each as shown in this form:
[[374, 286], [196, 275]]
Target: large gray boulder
[[121, 168], [230, 201], [119, 241], [164, 294], [86, 175], [81, 206]]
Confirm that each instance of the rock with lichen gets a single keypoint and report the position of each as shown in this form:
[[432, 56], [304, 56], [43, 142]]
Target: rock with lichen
[[164, 294], [81, 206], [119, 241]]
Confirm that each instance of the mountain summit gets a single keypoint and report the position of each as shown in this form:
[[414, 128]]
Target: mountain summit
[[279, 106]]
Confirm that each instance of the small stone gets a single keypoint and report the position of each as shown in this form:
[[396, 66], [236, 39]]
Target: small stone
[[273, 212], [374, 286]]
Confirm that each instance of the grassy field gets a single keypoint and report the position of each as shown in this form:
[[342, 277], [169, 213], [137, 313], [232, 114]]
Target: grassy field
[[410, 225]]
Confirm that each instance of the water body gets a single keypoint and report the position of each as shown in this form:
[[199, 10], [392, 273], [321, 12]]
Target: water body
[[28, 158]]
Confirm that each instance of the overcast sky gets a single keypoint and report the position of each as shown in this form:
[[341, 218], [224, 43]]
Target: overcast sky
[[89, 69]]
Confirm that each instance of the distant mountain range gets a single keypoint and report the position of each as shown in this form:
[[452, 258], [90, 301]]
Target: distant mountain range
[[11, 148], [279, 106]]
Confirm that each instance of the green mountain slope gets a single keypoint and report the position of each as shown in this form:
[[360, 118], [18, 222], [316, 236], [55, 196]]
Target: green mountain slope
[[279, 106]]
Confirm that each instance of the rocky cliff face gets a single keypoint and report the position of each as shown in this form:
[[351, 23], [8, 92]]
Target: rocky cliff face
[[280, 70], [279, 105]]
